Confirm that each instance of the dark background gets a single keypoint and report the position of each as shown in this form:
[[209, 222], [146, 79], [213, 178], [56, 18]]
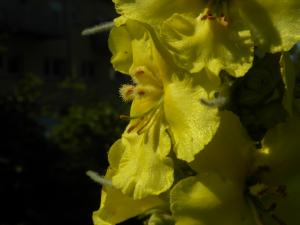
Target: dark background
[[59, 109]]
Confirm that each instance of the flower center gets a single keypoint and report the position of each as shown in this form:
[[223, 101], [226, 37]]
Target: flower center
[[146, 89], [144, 120], [216, 11], [264, 198]]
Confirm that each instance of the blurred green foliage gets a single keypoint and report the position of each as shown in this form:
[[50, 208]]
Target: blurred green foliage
[[46, 148], [87, 131]]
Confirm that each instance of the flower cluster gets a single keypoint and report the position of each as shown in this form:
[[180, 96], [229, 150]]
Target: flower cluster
[[214, 122]]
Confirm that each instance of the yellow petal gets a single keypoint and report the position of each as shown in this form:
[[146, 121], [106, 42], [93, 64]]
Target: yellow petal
[[149, 65], [144, 168], [230, 151], [196, 44], [192, 124], [155, 11], [274, 25], [209, 200], [135, 52], [288, 208], [280, 151], [120, 45], [117, 207], [115, 153]]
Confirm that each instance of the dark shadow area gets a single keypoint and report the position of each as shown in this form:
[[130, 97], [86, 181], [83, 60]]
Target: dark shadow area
[[59, 110]]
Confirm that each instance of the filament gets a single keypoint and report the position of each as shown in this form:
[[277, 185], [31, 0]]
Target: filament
[[145, 119]]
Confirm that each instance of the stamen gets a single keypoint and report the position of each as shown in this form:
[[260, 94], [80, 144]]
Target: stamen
[[256, 215], [124, 117], [148, 123], [223, 21], [279, 190], [127, 92], [207, 15], [215, 11], [211, 17], [278, 220], [139, 71], [141, 117], [133, 127], [256, 197], [98, 179], [203, 17], [141, 92]]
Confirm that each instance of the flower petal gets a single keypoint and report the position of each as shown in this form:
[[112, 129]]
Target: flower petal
[[288, 208], [135, 52], [117, 207], [144, 168], [275, 25], [196, 44], [280, 151], [209, 200], [115, 153], [154, 12], [192, 124], [230, 151], [120, 46]]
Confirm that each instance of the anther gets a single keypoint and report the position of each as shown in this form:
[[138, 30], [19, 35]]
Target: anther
[[139, 71], [281, 190], [141, 92], [262, 192], [127, 92], [208, 15], [223, 21], [204, 17], [211, 17]]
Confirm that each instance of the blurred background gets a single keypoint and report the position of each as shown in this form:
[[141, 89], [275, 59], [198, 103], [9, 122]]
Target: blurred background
[[59, 109]]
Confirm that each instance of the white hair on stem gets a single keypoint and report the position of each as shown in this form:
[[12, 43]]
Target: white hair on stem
[[98, 178], [219, 101], [102, 27]]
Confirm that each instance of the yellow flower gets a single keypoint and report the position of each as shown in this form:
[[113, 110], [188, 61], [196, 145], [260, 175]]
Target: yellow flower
[[230, 189], [217, 194], [209, 199], [116, 207], [230, 152], [166, 113], [218, 35], [279, 156]]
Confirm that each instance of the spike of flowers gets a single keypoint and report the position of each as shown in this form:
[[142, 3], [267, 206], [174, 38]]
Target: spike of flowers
[[186, 156], [165, 110]]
